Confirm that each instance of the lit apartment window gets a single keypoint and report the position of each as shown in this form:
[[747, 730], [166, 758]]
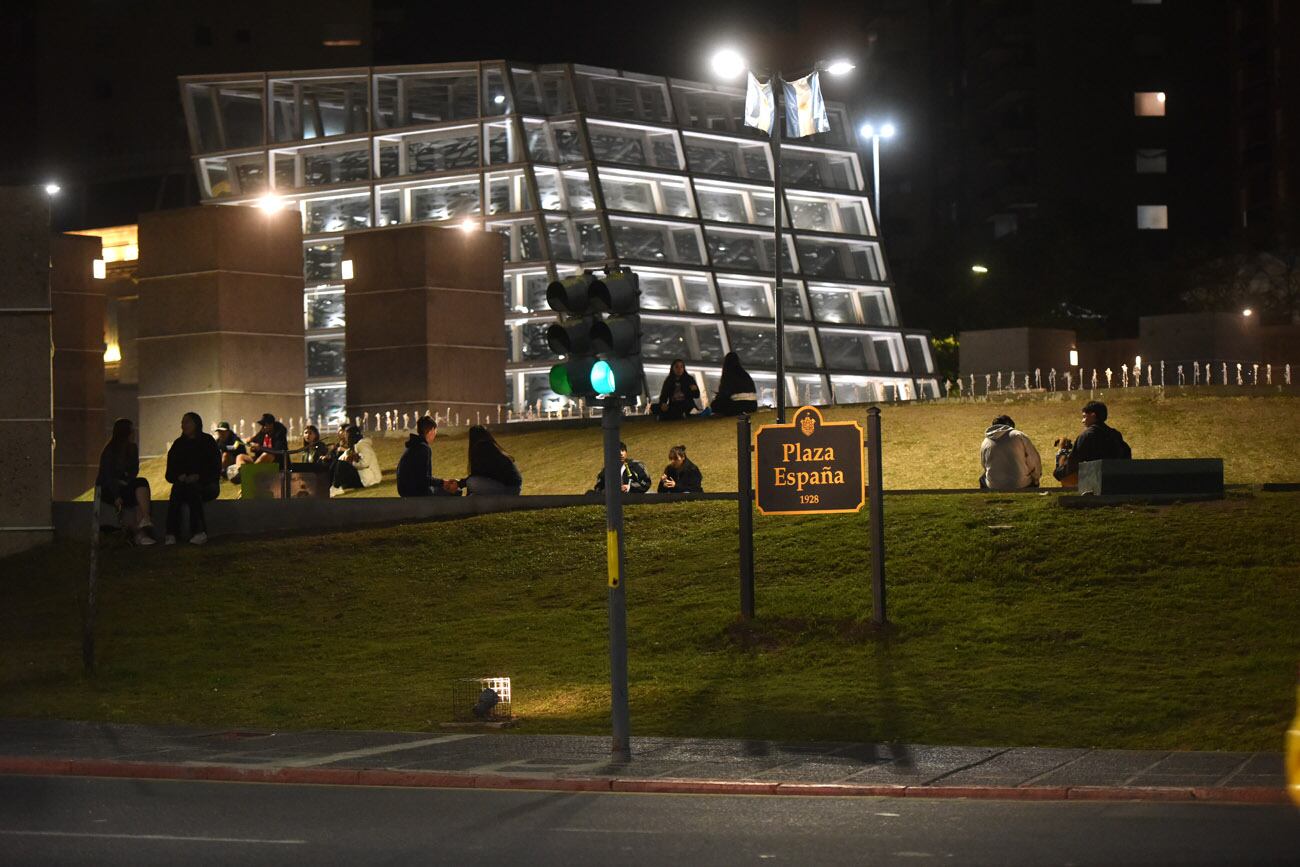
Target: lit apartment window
[[1153, 216], [1151, 161], [1149, 103]]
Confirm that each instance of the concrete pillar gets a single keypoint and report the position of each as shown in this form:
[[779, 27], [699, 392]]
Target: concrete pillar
[[424, 321], [77, 299], [26, 407], [219, 318]]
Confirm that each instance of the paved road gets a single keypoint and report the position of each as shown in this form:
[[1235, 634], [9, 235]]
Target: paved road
[[77, 820]]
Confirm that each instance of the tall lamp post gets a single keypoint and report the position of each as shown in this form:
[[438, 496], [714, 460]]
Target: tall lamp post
[[870, 131], [729, 64]]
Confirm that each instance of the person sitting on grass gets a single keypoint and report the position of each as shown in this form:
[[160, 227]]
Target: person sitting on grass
[[736, 391], [357, 466], [681, 476], [415, 476], [314, 452], [1008, 458], [120, 483], [491, 470], [231, 448], [678, 395], [633, 478], [1098, 442], [194, 470], [271, 438]]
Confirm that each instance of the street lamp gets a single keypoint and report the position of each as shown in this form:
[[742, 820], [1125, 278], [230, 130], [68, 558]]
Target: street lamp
[[869, 130], [729, 63], [52, 189], [979, 269]]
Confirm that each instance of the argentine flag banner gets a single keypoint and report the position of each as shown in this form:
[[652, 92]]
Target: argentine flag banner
[[760, 107], [805, 111]]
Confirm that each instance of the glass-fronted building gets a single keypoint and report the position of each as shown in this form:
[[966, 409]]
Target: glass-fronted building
[[577, 167]]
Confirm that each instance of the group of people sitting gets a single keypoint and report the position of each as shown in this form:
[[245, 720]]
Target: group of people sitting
[[681, 476], [680, 395], [349, 462], [1010, 462]]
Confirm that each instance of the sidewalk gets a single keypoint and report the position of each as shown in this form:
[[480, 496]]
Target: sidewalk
[[572, 763]]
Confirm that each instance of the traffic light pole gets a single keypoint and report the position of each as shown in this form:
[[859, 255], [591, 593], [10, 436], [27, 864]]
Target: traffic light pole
[[778, 91], [611, 416]]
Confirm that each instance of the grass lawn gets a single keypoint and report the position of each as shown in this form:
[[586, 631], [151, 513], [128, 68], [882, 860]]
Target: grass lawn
[[927, 445], [1014, 622]]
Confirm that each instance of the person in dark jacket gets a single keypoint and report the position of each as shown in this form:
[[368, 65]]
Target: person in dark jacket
[[633, 476], [194, 470], [415, 476], [491, 470], [1098, 442], [736, 391], [681, 476], [270, 437], [678, 395], [120, 483]]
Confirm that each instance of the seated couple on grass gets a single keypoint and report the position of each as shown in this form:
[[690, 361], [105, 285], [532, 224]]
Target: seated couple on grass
[[490, 470], [1011, 463], [681, 476], [680, 394]]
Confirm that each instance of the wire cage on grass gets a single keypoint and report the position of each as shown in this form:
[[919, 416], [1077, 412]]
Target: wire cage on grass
[[480, 698]]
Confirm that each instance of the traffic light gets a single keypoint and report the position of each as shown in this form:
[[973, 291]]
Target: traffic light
[[617, 339], [570, 336], [602, 356]]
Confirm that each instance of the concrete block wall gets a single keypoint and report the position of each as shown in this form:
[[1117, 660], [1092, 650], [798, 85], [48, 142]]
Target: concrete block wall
[[424, 321], [26, 407], [219, 318], [78, 303]]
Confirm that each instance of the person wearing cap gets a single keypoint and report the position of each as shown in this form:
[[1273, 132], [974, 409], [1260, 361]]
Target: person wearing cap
[[633, 478], [356, 466], [231, 448], [1099, 441], [270, 437]]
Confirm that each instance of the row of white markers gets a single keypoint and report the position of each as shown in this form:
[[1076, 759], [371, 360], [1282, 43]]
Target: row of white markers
[[1073, 379]]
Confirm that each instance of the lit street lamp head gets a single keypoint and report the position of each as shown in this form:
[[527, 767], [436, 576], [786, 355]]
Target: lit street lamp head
[[52, 189], [867, 130], [727, 63], [271, 202], [839, 67], [979, 269], [888, 130]]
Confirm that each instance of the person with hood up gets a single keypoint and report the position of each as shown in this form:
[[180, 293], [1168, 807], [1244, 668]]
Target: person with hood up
[[415, 476], [1098, 442], [357, 466], [491, 470], [736, 392], [120, 483], [678, 395], [194, 470], [633, 477], [1009, 459], [681, 476]]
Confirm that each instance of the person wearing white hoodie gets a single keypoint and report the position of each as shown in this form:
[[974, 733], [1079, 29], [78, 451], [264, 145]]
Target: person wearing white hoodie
[[1009, 458]]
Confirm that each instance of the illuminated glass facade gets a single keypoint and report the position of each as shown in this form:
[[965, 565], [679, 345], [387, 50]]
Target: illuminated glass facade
[[577, 167]]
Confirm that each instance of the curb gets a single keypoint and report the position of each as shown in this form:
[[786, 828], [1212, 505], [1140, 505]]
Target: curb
[[451, 780]]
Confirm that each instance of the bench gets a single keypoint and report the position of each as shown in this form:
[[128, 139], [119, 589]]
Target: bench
[[1164, 477]]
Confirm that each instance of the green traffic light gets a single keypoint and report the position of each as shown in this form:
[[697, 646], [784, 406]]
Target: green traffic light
[[560, 379], [602, 378]]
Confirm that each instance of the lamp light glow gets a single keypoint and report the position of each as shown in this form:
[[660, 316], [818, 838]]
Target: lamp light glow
[[98, 269], [888, 130], [728, 63], [347, 269], [52, 189], [112, 354], [499, 99], [979, 269], [839, 67], [1074, 358], [1160, 97], [271, 202], [1137, 362], [468, 225], [867, 131], [1247, 312]]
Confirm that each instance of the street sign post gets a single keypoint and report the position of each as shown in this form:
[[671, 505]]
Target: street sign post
[[810, 466]]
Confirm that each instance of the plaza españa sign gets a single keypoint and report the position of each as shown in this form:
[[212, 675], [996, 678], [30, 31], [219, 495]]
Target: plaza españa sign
[[809, 466]]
